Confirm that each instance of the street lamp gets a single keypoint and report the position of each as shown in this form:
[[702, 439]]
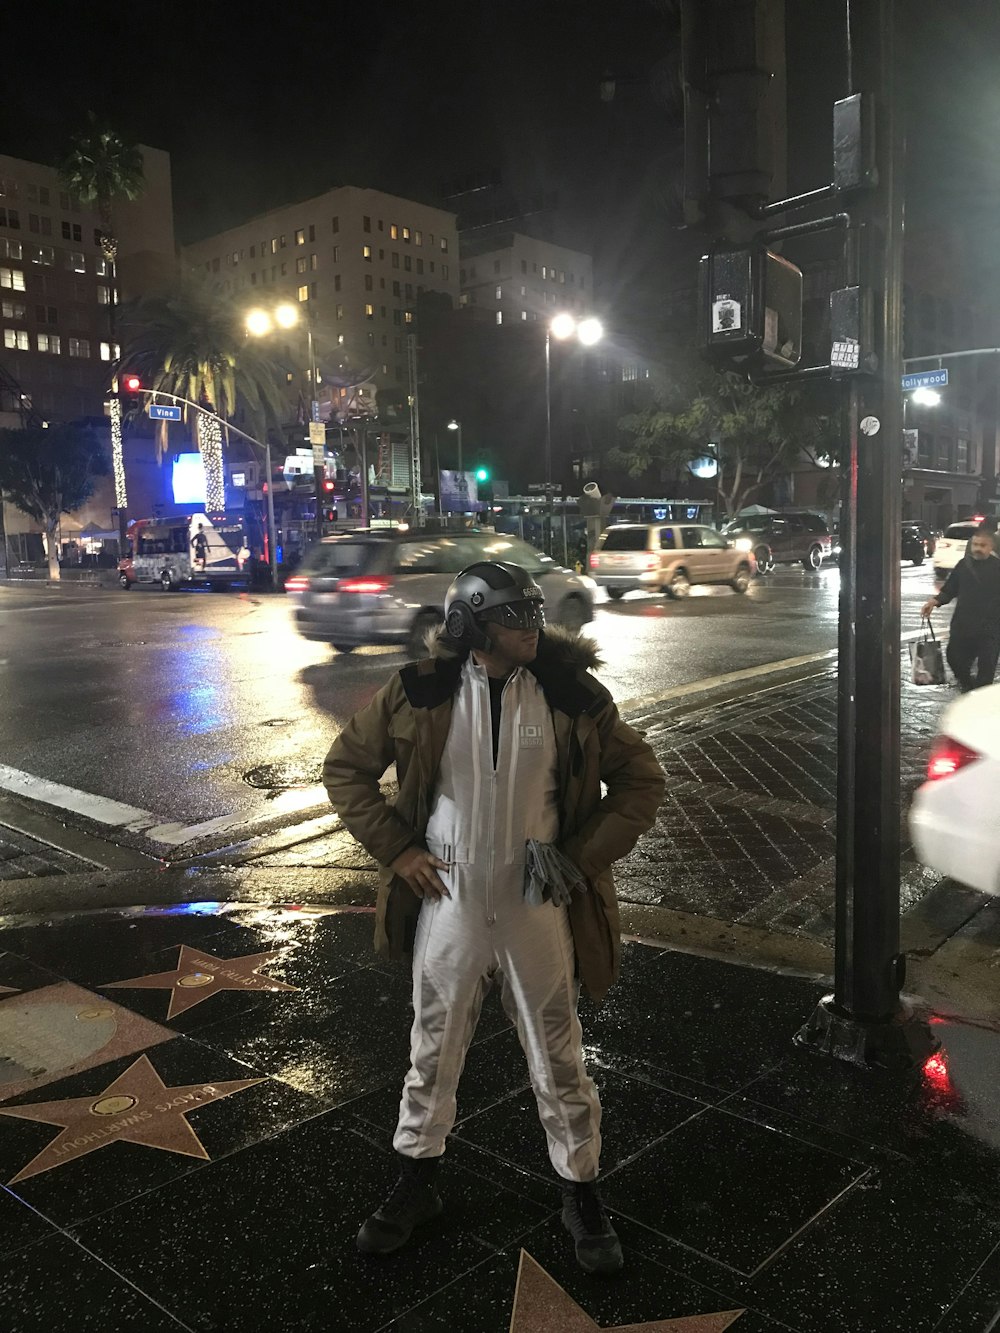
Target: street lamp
[[588, 332], [457, 426]]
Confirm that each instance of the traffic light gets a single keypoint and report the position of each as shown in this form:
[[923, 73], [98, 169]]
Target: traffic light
[[482, 474], [328, 485], [131, 388]]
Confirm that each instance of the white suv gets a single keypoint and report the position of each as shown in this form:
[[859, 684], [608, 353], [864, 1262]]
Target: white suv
[[952, 546], [667, 557]]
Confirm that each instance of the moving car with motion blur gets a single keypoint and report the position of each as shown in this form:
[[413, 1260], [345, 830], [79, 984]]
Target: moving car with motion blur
[[781, 539], [667, 557], [953, 819], [386, 586], [917, 542]]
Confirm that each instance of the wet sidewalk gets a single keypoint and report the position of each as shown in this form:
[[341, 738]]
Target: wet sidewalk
[[196, 1109]]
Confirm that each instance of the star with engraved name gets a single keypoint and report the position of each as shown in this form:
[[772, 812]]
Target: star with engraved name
[[541, 1305], [199, 975], [138, 1107]]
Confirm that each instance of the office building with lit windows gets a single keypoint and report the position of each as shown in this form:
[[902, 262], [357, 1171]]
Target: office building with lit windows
[[55, 289], [521, 280], [354, 261]]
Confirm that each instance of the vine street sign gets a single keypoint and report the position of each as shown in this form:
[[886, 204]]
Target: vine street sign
[[163, 412]]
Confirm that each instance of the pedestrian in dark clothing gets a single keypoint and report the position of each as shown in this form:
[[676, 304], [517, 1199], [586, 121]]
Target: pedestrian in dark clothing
[[989, 525], [974, 586]]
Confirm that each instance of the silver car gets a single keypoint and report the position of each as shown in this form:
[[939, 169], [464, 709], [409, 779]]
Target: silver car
[[385, 587]]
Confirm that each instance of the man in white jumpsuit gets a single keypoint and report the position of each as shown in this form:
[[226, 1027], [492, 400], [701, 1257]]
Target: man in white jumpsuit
[[497, 784]]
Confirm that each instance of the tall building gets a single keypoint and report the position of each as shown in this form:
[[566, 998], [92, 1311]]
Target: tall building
[[522, 280], [55, 344], [354, 261]]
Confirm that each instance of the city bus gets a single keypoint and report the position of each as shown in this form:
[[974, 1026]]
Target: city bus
[[181, 550]]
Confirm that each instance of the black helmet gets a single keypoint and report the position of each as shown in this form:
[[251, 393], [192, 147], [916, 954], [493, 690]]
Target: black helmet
[[491, 592]]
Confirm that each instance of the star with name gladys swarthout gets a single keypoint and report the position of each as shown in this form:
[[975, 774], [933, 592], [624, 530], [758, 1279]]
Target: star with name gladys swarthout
[[541, 1306], [137, 1107], [199, 974]]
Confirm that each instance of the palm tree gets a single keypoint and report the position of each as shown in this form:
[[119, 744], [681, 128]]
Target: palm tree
[[194, 344], [101, 167]]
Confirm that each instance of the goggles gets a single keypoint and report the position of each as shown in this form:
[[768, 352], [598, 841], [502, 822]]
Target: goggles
[[515, 615]]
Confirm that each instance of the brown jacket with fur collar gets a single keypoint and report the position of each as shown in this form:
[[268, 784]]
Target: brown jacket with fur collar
[[407, 723]]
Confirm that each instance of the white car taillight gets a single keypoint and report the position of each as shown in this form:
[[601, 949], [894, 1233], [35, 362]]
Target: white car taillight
[[949, 757]]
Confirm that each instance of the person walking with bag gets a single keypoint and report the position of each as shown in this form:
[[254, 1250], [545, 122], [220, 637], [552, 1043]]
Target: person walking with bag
[[496, 865], [974, 586]]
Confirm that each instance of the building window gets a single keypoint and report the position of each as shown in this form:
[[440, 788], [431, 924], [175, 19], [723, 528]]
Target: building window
[[9, 218], [366, 224], [16, 339], [336, 282], [371, 340], [282, 242], [382, 311], [499, 316], [110, 351], [408, 291], [336, 254], [418, 238], [395, 259], [336, 224], [444, 272], [463, 299], [369, 282], [46, 314], [300, 236], [12, 278], [408, 263], [79, 347], [369, 311], [13, 310], [303, 293], [102, 294], [274, 245], [10, 249], [49, 342], [499, 293], [430, 265], [408, 317], [300, 264], [397, 317], [314, 262], [393, 231], [72, 231], [420, 266], [444, 244], [45, 255], [366, 252], [284, 268], [406, 235], [524, 314], [340, 315]]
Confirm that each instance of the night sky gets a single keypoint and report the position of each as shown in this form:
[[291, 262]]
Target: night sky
[[417, 97]]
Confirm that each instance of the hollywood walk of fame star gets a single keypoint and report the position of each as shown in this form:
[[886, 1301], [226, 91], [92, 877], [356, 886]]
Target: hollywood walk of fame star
[[199, 974], [541, 1306], [137, 1107]]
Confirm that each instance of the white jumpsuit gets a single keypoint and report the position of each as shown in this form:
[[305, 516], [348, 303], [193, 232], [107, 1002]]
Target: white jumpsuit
[[480, 820]]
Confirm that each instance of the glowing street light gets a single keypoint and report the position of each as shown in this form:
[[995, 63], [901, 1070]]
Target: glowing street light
[[258, 323], [562, 326], [287, 315], [588, 332], [926, 397]]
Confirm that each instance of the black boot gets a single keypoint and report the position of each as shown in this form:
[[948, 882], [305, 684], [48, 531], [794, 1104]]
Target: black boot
[[414, 1199], [598, 1249]]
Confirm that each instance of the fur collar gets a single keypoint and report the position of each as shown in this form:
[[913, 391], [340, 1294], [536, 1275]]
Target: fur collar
[[557, 647]]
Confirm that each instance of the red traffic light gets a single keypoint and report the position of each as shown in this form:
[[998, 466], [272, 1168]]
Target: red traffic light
[[131, 383], [328, 485]]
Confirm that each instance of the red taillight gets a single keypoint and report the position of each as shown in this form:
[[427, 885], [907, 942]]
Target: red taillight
[[947, 757], [593, 562], [297, 584], [652, 562], [370, 585]]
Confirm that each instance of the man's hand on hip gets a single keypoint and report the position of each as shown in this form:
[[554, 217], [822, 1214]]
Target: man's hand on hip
[[419, 868]]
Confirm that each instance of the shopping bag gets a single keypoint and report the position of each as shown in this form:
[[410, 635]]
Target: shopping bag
[[927, 659]]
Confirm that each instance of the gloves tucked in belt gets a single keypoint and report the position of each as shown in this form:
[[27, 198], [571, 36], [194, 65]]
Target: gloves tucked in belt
[[548, 874]]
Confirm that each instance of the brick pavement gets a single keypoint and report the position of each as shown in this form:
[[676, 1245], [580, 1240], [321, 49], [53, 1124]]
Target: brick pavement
[[746, 833], [22, 857]]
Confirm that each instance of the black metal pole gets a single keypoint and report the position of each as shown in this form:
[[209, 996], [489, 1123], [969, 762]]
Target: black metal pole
[[865, 1021]]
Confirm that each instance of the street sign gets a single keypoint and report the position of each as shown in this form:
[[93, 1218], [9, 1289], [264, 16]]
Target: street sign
[[163, 412], [317, 438], [926, 379], [314, 411]]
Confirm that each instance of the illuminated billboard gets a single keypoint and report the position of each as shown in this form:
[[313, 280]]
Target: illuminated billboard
[[189, 480]]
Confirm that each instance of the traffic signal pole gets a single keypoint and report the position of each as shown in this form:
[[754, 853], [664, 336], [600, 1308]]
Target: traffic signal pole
[[865, 1020]]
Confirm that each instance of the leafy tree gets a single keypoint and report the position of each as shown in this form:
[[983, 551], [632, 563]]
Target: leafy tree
[[49, 472], [754, 433]]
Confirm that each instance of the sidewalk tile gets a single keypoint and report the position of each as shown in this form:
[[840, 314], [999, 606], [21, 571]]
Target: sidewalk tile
[[978, 1307], [56, 1278], [19, 1226], [18, 974]]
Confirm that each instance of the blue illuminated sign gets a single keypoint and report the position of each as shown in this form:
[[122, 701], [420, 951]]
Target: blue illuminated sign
[[189, 480]]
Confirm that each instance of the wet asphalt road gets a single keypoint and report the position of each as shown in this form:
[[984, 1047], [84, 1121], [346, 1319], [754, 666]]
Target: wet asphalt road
[[166, 702]]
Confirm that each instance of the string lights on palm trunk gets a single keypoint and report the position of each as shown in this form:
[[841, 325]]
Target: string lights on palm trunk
[[210, 446], [117, 454]]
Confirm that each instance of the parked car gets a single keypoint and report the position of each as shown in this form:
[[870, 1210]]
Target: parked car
[[667, 557], [781, 539], [917, 542], [952, 546], [388, 587], [953, 819]]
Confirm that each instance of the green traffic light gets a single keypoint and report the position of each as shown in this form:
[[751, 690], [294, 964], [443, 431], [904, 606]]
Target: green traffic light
[[482, 474]]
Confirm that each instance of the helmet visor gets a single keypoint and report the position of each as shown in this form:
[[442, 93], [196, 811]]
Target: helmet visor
[[515, 615]]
